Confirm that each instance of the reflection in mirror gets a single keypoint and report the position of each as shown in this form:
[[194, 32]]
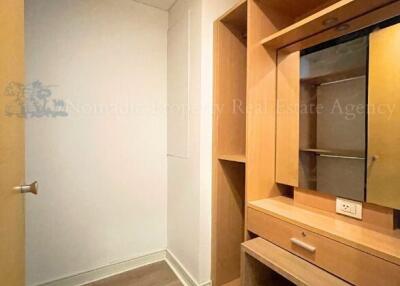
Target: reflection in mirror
[[333, 119]]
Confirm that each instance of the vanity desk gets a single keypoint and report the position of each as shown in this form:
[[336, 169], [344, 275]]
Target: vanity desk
[[306, 143], [356, 253]]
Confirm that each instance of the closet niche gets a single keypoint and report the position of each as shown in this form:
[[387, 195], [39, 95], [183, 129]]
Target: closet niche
[[348, 117]]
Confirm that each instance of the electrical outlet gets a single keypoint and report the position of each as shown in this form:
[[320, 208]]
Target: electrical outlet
[[349, 208]]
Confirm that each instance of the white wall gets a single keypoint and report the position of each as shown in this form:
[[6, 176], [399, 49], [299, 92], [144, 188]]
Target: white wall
[[189, 180], [211, 10], [102, 169], [183, 172]]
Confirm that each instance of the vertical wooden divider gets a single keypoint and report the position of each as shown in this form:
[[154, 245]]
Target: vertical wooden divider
[[261, 106], [229, 136], [287, 125]]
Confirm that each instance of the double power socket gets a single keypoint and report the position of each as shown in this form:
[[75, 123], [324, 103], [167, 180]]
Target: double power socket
[[349, 208]]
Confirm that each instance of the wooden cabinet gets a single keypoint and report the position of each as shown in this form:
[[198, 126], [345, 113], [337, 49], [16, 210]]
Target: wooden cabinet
[[336, 106], [267, 149], [264, 263], [287, 118], [383, 180], [229, 144], [333, 256]]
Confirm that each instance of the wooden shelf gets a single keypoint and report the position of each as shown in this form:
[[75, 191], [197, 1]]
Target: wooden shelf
[[293, 11], [235, 282], [237, 17], [233, 158], [324, 19], [229, 139], [353, 25], [332, 77], [384, 244], [288, 265], [341, 153]]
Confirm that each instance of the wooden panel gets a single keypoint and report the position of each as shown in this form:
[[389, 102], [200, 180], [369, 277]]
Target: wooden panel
[[228, 221], [12, 168], [288, 265], [230, 92], [383, 182], [229, 135], [261, 103], [333, 15], [235, 282], [296, 10], [359, 23], [237, 15], [287, 124], [236, 20], [255, 273], [384, 243], [331, 255], [233, 158], [374, 217]]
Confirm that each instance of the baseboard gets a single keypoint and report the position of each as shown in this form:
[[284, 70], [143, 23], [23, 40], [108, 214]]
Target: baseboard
[[180, 271], [107, 271]]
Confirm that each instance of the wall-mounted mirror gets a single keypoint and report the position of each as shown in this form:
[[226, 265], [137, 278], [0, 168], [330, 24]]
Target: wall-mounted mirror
[[350, 116]]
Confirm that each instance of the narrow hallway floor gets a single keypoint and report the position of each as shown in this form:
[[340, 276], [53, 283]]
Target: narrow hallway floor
[[156, 274]]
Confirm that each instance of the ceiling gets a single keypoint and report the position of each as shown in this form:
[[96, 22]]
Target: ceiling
[[161, 4]]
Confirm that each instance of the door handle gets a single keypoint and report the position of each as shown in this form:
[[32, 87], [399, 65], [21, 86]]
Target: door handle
[[373, 159], [32, 188], [303, 245], [371, 162]]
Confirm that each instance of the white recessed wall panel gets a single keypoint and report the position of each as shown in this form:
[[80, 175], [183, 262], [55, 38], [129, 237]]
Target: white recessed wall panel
[[178, 88]]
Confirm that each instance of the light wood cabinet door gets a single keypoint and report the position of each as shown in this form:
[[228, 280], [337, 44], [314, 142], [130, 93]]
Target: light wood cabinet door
[[383, 182], [11, 146], [287, 119]]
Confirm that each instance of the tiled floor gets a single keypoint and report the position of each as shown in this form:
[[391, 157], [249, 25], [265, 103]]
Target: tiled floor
[[157, 274]]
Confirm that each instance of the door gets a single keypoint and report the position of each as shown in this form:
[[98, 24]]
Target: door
[[11, 145], [383, 185]]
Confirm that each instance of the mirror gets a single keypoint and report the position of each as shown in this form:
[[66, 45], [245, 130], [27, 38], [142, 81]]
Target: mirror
[[348, 114]]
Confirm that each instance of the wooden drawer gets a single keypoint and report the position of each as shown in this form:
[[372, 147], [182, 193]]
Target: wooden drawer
[[353, 265], [275, 259]]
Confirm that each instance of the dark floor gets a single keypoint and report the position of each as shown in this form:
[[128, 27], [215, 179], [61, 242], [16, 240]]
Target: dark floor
[[157, 274]]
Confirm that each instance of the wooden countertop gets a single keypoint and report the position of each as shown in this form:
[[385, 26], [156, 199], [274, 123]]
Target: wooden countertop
[[385, 244]]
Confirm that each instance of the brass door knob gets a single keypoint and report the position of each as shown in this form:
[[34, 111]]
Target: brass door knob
[[32, 188]]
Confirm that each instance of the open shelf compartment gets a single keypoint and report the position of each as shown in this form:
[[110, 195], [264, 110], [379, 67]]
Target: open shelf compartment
[[229, 148], [305, 22]]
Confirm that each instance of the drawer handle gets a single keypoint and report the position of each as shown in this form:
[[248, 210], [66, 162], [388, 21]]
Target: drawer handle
[[303, 245]]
